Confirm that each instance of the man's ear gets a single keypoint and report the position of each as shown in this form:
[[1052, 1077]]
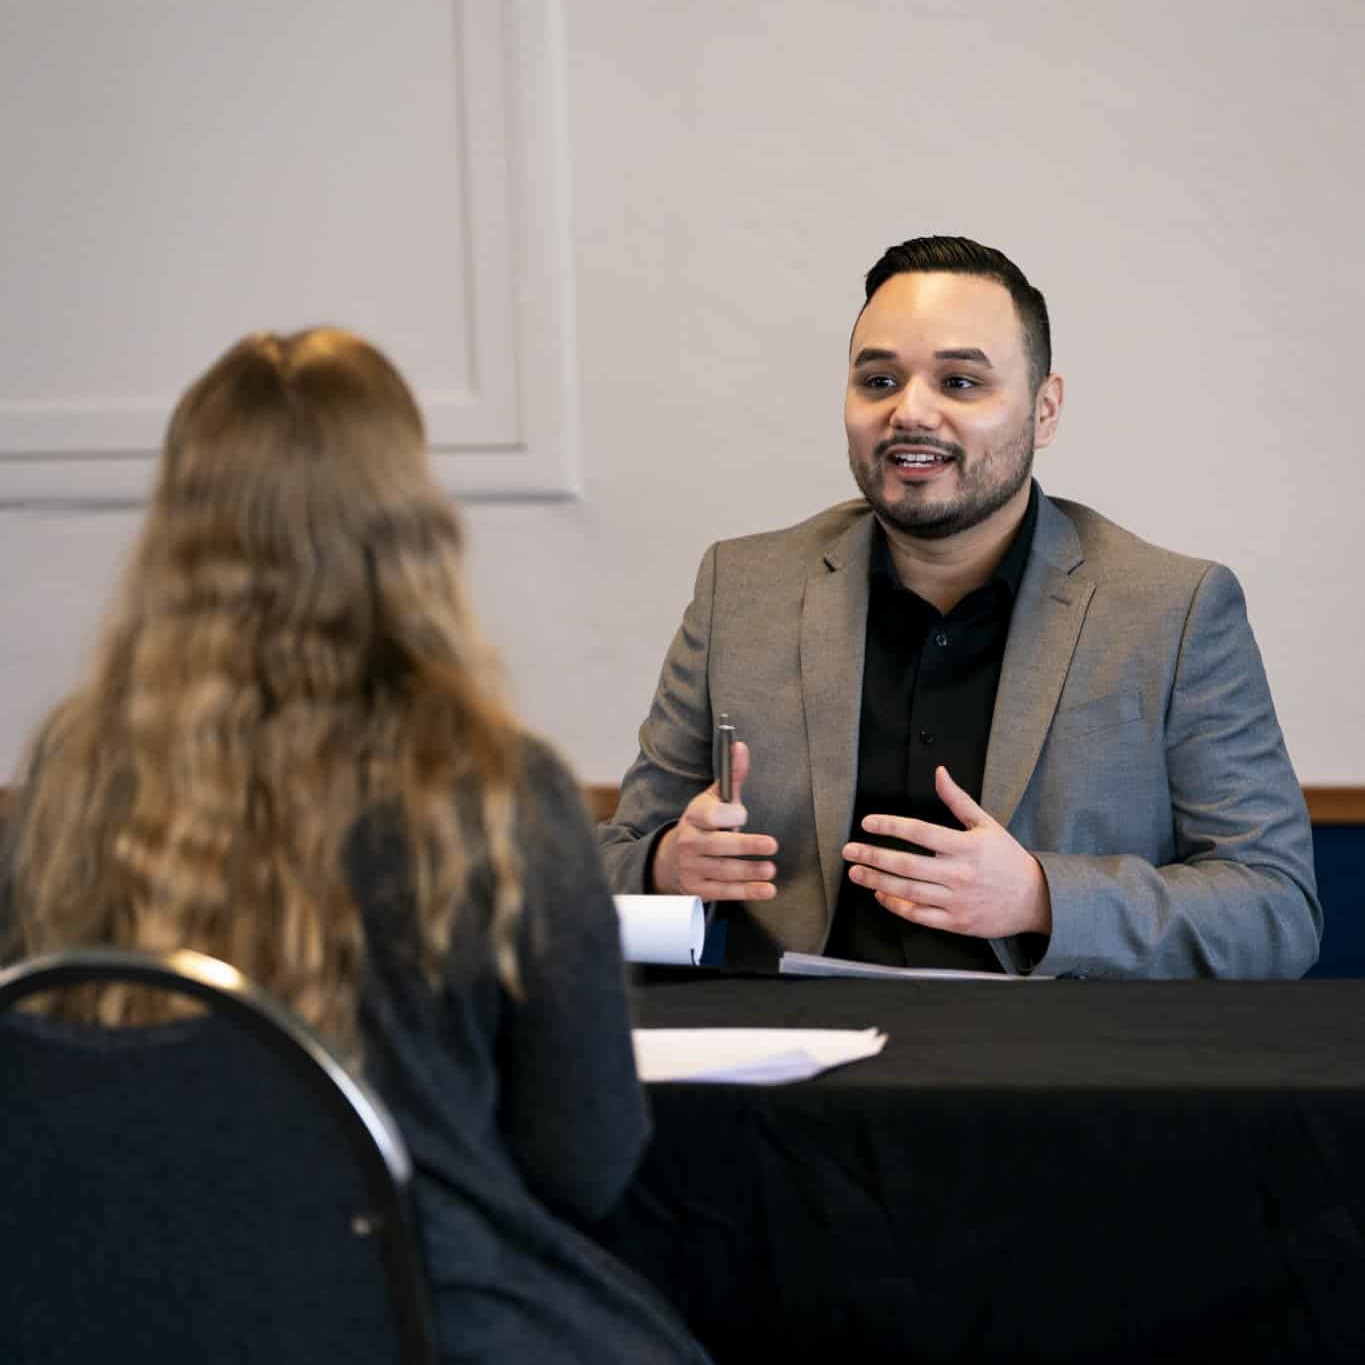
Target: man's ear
[[1047, 410]]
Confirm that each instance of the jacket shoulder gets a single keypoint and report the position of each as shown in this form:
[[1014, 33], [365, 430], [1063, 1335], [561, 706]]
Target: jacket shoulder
[[801, 542], [1112, 552]]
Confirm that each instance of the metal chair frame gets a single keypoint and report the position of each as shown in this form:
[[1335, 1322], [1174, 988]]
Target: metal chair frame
[[370, 1130]]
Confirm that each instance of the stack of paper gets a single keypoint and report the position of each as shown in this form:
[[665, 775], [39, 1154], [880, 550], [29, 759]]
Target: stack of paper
[[667, 930], [749, 1056], [810, 964]]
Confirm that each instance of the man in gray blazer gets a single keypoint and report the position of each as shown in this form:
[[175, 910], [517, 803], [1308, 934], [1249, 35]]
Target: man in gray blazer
[[987, 729]]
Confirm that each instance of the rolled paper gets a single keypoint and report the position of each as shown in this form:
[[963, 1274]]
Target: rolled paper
[[665, 930]]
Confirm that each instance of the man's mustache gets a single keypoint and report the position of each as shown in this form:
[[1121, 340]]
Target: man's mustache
[[909, 438]]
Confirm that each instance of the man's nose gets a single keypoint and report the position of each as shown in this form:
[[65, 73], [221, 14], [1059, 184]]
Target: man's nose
[[917, 406]]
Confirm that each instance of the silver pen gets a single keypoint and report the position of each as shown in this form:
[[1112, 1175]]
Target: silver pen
[[723, 768], [723, 757]]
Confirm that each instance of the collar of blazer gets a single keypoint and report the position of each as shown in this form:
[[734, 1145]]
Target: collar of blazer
[[1046, 624], [1044, 629]]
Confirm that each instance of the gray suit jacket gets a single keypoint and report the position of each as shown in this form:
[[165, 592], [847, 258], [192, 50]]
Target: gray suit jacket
[[1134, 746]]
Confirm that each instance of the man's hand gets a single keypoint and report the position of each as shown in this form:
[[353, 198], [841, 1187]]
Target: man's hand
[[703, 855], [980, 880]]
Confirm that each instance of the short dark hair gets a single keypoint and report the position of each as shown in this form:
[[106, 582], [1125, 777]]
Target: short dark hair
[[962, 256]]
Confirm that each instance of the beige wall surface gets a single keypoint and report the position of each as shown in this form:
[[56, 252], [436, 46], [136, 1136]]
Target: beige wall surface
[[1182, 180]]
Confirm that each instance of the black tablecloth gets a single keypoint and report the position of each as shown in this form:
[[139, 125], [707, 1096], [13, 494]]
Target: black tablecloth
[[1069, 1170]]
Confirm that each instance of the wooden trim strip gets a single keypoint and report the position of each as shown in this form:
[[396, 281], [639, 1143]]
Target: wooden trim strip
[[601, 801], [1326, 805], [1336, 805]]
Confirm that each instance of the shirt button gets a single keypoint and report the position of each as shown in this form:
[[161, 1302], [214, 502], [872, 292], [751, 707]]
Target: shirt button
[[926, 736], [940, 639]]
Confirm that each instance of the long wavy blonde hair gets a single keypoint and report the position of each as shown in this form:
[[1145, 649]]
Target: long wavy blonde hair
[[290, 647]]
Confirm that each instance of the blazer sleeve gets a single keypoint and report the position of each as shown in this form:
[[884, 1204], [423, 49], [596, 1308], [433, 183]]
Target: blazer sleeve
[[674, 761], [572, 1109], [1240, 898]]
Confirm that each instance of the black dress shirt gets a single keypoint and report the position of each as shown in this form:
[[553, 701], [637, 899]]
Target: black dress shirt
[[929, 683]]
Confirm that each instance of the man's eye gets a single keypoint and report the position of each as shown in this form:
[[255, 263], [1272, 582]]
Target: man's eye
[[878, 381], [960, 382]]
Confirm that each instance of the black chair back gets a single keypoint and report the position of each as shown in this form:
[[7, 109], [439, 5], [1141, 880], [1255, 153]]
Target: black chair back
[[218, 1189]]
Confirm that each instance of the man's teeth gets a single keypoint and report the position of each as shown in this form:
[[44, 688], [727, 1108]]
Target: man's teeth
[[919, 461]]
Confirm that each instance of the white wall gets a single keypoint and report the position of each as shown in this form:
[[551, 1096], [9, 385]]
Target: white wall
[[1182, 181]]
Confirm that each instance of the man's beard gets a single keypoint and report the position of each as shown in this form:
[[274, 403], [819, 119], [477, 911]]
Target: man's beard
[[983, 489]]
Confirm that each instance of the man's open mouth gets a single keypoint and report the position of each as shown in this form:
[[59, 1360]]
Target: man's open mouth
[[907, 460]]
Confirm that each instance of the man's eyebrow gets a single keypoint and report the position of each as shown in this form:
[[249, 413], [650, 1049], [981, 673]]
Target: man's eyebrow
[[873, 353], [970, 353]]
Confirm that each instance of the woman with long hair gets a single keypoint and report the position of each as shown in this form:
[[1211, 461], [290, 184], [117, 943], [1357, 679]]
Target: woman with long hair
[[290, 752]]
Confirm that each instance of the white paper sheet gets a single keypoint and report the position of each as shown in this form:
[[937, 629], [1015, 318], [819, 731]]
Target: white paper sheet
[[666, 930], [808, 964], [748, 1056]]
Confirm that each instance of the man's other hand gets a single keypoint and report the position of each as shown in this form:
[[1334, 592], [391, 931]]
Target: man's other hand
[[705, 855], [979, 881]]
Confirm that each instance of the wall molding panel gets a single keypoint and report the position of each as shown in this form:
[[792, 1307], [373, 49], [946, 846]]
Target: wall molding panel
[[399, 170]]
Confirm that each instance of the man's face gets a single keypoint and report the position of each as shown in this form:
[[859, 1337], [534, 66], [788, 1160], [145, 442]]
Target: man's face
[[940, 413]]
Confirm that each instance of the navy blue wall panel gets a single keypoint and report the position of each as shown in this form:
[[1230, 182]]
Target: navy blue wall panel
[[1339, 851]]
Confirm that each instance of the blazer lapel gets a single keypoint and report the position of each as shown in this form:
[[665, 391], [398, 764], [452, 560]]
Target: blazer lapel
[[1043, 632], [833, 637]]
